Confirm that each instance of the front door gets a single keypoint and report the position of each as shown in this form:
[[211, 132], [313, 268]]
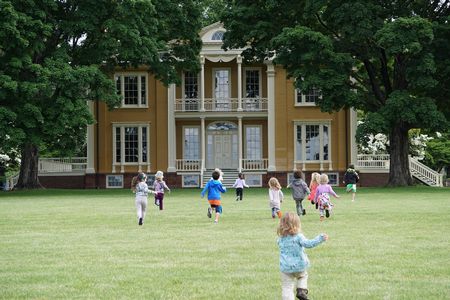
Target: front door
[[222, 146]]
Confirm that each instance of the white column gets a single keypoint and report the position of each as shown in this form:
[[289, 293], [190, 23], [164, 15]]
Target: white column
[[239, 62], [91, 143], [353, 144], [171, 132], [139, 149], [271, 115], [321, 147], [240, 142], [202, 84], [303, 136], [203, 138], [330, 158], [122, 147]]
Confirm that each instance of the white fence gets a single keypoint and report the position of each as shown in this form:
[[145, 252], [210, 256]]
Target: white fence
[[418, 169], [62, 165], [369, 161]]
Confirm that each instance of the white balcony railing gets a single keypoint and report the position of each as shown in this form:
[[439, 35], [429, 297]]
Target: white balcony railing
[[255, 164], [62, 165], [189, 165], [373, 161], [221, 105]]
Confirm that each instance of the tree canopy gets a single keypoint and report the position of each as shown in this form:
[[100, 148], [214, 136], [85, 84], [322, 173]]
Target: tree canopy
[[387, 58], [55, 55]]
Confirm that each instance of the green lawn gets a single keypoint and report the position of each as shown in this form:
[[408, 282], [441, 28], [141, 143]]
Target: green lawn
[[389, 244]]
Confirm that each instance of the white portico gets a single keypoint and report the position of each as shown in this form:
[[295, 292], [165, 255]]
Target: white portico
[[225, 113]]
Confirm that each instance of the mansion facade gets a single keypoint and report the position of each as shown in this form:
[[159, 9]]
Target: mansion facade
[[232, 115]]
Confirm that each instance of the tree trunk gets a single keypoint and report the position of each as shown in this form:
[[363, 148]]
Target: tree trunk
[[399, 174], [28, 177]]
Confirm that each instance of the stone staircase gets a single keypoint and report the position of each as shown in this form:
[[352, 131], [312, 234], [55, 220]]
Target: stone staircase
[[229, 177]]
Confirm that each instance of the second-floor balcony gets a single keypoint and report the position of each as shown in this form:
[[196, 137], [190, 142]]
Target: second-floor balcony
[[221, 105]]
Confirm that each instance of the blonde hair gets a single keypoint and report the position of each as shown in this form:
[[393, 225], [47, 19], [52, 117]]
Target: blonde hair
[[323, 179], [134, 181], [314, 179], [289, 224], [273, 183]]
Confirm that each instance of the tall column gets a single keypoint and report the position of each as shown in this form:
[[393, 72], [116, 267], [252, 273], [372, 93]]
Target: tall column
[[203, 139], [353, 145], [90, 169], [171, 133], [202, 84], [239, 62], [240, 142], [271, 115]]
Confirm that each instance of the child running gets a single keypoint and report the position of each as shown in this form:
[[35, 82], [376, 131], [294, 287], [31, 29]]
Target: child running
[[293, 259], [313, 184], [141, 190], [214, 187], [351, 178], [159, 186], [239, 184], [299, 191], [322, 197], [275, 197]]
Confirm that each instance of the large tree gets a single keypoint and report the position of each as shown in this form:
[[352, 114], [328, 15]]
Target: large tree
[[376, 56], [57, 55]]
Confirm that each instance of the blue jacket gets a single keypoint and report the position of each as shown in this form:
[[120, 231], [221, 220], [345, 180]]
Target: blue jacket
[[293, 258], [214, 188]]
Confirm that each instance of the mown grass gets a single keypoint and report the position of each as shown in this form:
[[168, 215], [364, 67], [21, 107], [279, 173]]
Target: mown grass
[[389, 244]]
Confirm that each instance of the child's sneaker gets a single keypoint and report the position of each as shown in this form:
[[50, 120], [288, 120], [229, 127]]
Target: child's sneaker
[[209, 212], [304, 212], [327, 213], [140, 221], [237, 198], [302, 294], [317, 205]]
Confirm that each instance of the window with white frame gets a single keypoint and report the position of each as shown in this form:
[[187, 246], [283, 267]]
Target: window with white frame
[[252, 83], [308, 97], [253, 179], [190, 85], [333, 179], [253, 144], [312, 141], [218, 35], [132, 88], [191, 181], [114, 181], [131, 143], [191, 147]]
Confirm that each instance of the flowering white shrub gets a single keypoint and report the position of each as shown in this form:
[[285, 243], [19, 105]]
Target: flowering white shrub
[[379, 143], [376, 144]]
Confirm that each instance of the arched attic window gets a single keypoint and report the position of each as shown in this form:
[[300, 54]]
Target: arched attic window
[[217, 36]]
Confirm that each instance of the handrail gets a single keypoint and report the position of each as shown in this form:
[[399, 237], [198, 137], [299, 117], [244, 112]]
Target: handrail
[[184, 165], [11, 181], [59, 164], [254, 164], [426, 172], [418, 169], [256, 104]]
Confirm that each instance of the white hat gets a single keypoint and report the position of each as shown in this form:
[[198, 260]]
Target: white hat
[[159, 174]]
